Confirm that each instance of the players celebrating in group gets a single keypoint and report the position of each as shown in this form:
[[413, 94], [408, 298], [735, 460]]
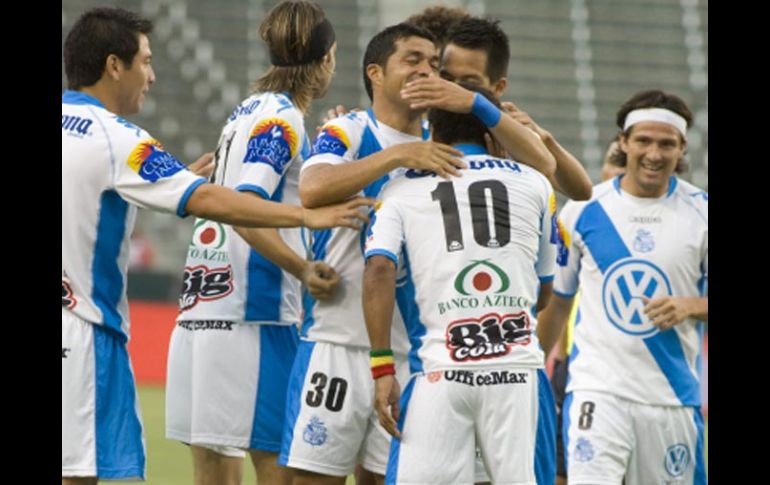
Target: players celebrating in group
[[411, 349]]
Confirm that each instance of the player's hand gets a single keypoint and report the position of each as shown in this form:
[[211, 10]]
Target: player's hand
[[667, 311], [494, 147], [320, 279], [343, 214], [333, 113], [429, 156], [386, 395], [435, 92], [204, 166], [522, 117]]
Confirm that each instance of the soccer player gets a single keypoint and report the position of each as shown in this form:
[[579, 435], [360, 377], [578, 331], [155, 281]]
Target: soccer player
[[477, 53], [478, 257], [638, 251], [330, 423], [109, 168], [614, 164], [236, 335]]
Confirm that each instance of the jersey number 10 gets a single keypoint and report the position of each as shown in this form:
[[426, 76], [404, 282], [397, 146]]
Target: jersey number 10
[[495, 236]]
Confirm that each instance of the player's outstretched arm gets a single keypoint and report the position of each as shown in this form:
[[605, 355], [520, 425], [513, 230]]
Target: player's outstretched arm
[[520, 142], [325, 183], [318, 277], [570, 178], [217, 203]]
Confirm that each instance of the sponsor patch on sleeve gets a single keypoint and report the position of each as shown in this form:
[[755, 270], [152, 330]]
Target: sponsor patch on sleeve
[[274, 142], [151, 162], [562, 242], [332, 139]]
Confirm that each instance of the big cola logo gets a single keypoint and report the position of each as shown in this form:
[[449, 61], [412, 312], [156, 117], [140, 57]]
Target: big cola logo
[[487, 337], [68, 300], [201, 283]]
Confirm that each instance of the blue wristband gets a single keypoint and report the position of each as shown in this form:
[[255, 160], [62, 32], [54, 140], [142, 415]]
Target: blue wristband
[[484, 110]]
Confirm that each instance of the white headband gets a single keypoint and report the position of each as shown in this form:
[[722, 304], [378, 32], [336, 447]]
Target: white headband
[[656, 114]]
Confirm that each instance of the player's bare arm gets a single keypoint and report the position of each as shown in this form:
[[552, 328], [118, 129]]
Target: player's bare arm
[[379, 296], [326, 183], [544, 296], [570, 178], [522, 144], [319, 278], [552, 319], [217, 203]]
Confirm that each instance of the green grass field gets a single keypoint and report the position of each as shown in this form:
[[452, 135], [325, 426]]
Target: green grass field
[[169, 462]]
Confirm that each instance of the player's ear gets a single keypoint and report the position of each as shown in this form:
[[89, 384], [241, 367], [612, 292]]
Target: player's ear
[[498, 87], [623, 143], [375, 73], [329, 58], [113, 67]]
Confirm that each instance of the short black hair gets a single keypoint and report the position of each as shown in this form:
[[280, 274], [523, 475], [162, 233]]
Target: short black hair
[[484, 34], [383, 45], [439, 19], [99, 32], [451, 128]]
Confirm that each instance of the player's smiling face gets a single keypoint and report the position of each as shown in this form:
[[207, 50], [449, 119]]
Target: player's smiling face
[[414, 57], [653, 150]]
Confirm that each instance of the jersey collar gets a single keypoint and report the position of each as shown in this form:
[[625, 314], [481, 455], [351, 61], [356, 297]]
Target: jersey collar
[[672, 183], [79, 97], [471, 149]]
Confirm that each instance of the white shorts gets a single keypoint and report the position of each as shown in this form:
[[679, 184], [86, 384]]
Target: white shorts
[[226, 383], [545, 440], [229, 451], [608, 438], [101, 432], [446, 415], [330, 420]]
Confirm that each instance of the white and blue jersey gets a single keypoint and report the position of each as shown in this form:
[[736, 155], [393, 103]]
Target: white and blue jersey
[[109, 167], [261, 150], [475, 249], [341, 320], [622, 250]]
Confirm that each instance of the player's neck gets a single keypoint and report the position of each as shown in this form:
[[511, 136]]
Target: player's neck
[[631, 187], [104, 94], [397, 117]]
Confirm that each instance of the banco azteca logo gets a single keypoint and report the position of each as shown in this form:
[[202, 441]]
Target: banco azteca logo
[[481, 276], [626, 284], [208, 234]]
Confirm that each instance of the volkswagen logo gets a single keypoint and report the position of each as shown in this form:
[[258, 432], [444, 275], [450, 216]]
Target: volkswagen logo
[[625, 285]]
